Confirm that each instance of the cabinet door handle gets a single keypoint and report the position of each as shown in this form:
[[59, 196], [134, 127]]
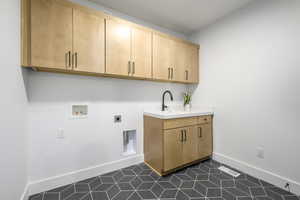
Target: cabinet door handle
[[66, 60], [129, 67], [200, 132], [69, 55], [76, 59], [133, 67], [184, 135], [187, 72], [186, 75], [172, 73], [72, 60], [169, 72], [181, 138]]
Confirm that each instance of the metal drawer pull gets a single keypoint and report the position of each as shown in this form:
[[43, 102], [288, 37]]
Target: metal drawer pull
[[69, 54], [66, 60], [200, 132], [133, 67], [76, 59], [186, 75], [181, 139], [129, 67]]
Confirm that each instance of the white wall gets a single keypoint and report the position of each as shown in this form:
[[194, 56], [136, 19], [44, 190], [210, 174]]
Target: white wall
[[92, 141], [250, 69], [13, 118], [88, 142]]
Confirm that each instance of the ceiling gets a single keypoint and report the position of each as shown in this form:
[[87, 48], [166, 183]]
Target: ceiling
[[182, 16]]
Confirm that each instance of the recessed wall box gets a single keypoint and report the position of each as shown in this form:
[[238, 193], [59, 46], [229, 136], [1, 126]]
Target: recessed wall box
[[79, 111]]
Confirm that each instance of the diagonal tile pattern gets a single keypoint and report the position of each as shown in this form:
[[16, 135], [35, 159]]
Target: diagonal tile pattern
[[202, 181]]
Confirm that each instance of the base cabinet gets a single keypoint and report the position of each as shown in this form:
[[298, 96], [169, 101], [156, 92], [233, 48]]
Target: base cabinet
[[172, 149], [204, 140], [190, 145], [177, 142]]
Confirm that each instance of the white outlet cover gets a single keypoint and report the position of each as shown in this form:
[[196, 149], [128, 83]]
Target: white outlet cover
[[60, 133], [260, 153]]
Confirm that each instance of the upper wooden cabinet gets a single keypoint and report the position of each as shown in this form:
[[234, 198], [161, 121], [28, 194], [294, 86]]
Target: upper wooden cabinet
[[174, 60], [118, 48], [51, 34], [61, 36], [192, 64], [128, 50], [141, 49], [162, 57], [88, 42]]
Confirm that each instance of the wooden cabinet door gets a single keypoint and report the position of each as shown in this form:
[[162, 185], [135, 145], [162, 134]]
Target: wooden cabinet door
[[179, 59], [118, 48], [141, 53], [192, 70], [190, 144], [172, 149], [51, 34], [88, 41], [205, 145], [162, 56]]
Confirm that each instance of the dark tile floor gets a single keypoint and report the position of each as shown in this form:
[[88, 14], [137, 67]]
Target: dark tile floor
[[202, 181]]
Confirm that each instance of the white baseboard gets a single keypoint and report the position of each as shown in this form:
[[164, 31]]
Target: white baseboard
[[25, 193], [71, 177], [265, 175]]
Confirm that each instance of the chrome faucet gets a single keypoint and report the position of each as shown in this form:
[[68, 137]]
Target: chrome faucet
[[163, 106]]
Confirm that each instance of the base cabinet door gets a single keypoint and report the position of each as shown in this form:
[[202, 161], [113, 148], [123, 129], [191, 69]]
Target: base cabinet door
[[205, 144], [190, 144], [172, 149], [51, 34], [88, 37]]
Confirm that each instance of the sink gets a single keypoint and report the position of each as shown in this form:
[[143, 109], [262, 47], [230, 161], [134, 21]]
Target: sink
[[171, 114]]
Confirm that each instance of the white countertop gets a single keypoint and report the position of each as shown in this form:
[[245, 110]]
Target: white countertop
[[178, 113]]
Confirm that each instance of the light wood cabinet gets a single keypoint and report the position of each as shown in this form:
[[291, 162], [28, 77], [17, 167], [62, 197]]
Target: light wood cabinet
[[192, 64], [141, 53], [61, 36], [88, 42], [51, 34], [174, 60], [65, 37], [173, 149], [186, 63], [128, 50], [190, 145], [162, 57], [118, 48], [177, 142], [204, 140], [180, 61]]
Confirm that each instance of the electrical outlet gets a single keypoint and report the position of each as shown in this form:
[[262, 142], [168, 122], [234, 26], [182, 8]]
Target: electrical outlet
[[260, 153], [60, 133], [117, 118]]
